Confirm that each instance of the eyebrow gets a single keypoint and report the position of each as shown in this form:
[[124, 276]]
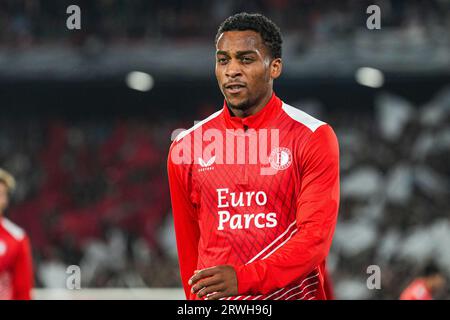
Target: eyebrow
[[239, 53]]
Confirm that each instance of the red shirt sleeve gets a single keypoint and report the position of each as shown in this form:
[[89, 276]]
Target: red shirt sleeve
[[23, 272], [185, 221], [317, 209], [416, 291]]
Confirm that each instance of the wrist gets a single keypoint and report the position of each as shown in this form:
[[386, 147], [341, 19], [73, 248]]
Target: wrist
[[246, 279]]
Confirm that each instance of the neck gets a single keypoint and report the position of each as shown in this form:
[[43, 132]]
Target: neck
[[253, 109]]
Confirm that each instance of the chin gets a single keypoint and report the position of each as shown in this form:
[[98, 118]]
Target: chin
[[240, 104]]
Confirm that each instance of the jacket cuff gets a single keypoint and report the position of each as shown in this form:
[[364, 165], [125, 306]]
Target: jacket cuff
[[247, 279]]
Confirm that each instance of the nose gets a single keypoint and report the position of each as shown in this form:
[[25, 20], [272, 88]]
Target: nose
[[233, 69]]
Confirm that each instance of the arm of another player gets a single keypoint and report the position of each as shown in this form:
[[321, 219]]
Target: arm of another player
[[23, 272], [186, 226]]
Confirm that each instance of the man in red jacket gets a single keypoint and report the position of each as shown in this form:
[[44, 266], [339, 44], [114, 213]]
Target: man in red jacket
[[425, 287], [255, 186], [16, 275]]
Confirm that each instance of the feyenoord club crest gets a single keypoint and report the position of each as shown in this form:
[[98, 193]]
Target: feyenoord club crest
[[280, 158]]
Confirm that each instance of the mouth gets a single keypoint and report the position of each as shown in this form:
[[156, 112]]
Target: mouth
[[234, 88]]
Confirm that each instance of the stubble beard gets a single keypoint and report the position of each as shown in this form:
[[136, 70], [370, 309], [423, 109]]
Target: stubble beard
[[243, 106]]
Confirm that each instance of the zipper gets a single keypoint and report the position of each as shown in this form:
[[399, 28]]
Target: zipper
[[247, 158]]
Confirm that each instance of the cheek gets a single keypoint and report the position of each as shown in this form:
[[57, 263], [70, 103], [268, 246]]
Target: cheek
[[260, 79], [219, 73]]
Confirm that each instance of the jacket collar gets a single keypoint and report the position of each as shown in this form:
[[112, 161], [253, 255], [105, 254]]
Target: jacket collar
[[259, 120]]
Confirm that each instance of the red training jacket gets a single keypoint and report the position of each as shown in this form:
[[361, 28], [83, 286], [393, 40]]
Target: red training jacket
[[417, 290], [259, 193], [16, 274]]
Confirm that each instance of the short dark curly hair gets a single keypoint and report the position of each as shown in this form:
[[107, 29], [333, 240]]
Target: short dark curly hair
[[269, 31]]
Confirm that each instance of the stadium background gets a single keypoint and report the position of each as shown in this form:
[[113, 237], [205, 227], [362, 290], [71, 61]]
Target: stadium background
[[87, 139]]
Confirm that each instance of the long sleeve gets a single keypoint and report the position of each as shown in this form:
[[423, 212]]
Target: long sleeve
[[186, 225], [23, 272], [316, 215]]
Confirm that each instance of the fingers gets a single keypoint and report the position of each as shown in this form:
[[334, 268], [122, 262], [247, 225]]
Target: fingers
[[216, 295], [210, 289], [214, 283], [200, 274], [205, 283]]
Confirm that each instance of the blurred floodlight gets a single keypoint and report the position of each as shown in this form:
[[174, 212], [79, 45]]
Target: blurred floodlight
[[369, 77], [140, 81]]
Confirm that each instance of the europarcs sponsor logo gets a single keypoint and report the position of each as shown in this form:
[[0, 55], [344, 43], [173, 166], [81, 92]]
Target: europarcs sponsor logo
[[227, 201]]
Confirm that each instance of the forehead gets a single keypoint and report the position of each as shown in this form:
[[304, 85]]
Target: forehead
[[240, 41]]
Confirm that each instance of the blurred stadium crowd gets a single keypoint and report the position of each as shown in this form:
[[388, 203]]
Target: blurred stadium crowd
[[94, 193], [28, 22], [91, 194], [395, 189]]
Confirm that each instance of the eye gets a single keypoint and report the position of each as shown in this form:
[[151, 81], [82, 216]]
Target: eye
[[222, 60], [246, 60]]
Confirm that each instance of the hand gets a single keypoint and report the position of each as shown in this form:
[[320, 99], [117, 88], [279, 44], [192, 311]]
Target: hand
[[214, 283]]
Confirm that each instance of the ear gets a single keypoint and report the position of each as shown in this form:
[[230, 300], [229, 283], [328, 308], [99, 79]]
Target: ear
[[276, 67]]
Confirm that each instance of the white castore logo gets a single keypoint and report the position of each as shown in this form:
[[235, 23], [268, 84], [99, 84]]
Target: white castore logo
[[207, 164]]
